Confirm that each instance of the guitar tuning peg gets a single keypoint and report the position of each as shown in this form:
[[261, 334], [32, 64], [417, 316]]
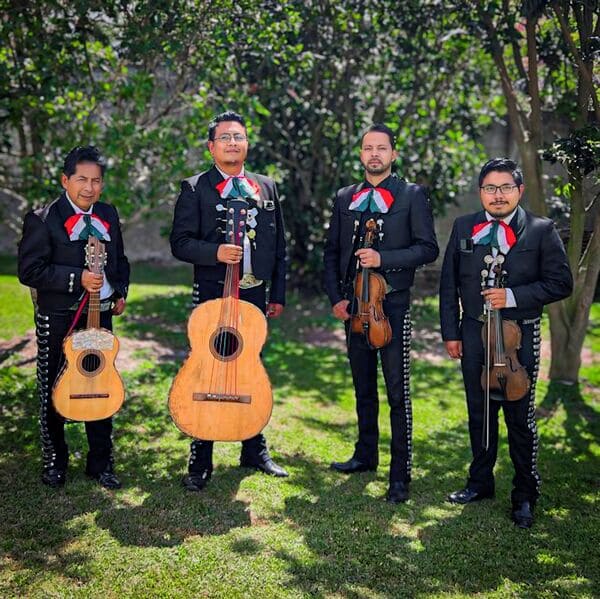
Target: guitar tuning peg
[[380, 222], [380, 235]]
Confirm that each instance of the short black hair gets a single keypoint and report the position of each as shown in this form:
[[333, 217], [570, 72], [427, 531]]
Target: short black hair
[[228, 115], [380, 128], [83, 154], [503, 165]]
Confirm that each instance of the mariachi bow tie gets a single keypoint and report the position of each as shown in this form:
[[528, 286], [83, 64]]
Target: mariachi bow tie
[[81, 226], [496, 234], [375, 199], [238, 187]]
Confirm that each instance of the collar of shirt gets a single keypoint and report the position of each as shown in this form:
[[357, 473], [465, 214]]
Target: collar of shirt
[[506, 220], [77, 209], [368, 184], [226, 176]]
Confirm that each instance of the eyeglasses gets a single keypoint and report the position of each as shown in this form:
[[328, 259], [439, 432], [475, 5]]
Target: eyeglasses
[[492, 189], [227, 137]]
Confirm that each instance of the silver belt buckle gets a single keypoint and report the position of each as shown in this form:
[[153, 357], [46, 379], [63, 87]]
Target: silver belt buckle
[[249, 280]]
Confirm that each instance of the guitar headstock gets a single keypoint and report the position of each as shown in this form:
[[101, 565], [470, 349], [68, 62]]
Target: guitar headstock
[[235, 227], [95, 255]]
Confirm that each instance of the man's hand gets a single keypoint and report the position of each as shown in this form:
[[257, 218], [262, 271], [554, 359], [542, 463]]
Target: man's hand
[[496, 297], [369, 258], [91, 282], [119, 307], [340, 310], [229, 253], [454, 349], [274, 310]]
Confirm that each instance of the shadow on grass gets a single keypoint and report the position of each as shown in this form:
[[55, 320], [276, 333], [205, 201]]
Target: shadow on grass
[[357, 545]]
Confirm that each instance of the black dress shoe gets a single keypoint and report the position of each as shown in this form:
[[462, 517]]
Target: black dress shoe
[[353, 465], [522, 514], [398, 492], [467, 495], [196, 481], [54, 477], [267, 465], [106, 479]]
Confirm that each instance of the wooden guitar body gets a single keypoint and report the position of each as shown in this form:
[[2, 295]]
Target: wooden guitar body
[[222, 392], [89, 386]]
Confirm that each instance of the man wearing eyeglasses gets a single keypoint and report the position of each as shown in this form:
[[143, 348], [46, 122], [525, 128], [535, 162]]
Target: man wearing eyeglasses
[[537, 273], [198, 237]]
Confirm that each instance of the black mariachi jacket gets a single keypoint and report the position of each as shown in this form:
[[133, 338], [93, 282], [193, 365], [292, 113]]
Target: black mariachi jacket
[[197, 232], [408, 237], [537, 271], [52, 264]]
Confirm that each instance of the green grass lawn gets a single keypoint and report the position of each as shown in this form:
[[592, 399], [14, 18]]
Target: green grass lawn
[[315, 534]]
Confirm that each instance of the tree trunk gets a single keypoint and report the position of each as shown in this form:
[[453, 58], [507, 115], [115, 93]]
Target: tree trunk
[[566, 341], [569, 318]]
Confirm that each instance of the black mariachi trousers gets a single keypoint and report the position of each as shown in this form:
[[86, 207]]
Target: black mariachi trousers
[[51, 329], [395, 363], [253, 449], [519, 416]]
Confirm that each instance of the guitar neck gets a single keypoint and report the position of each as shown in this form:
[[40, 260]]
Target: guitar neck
[[231, 288], [93, 319]]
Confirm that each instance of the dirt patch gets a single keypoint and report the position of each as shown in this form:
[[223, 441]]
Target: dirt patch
[[22, 351]]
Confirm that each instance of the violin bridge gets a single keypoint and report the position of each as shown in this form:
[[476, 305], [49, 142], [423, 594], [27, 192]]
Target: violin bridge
[[227, 397]]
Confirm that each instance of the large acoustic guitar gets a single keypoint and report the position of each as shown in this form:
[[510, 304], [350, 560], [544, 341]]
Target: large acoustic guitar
[[89, 386], [222, 392]]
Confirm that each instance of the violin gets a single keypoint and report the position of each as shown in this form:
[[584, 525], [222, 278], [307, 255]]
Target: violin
[[369, 292], [506, 374]]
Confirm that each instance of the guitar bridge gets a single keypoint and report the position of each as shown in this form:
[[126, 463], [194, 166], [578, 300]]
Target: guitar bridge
[[226, 397]]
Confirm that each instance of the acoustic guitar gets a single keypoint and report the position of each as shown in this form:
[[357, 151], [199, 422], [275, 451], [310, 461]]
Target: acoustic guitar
[[89, 386], [222, 392]]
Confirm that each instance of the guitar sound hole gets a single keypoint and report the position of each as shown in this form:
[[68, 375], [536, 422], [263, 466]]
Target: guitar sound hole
[[90, 363], [226, 344]]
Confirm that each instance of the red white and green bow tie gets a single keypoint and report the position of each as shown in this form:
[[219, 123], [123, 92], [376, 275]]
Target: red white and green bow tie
[[81, 226], [375, 199], [495, 233], [238, 187]]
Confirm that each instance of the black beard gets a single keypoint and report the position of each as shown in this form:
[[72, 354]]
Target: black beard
[[376, 170]]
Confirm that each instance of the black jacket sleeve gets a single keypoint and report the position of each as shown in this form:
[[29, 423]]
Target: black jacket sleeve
[[556, 280], [185, 242], [331, 257], [449, 291], [277, 290], [35, 266], [121, 282], [423, 248]]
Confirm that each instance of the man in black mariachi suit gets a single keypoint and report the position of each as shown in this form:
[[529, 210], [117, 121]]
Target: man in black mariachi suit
[[537, 274], [406, 240], [52, 261], [198, 237]]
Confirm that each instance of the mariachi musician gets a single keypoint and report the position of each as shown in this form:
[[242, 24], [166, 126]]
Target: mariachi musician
[[198, 237], [536, 272], [405, 239], [52, 261]]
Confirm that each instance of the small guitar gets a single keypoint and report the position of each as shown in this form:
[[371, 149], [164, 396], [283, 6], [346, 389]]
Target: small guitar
[[89, 386], [222, 392]]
